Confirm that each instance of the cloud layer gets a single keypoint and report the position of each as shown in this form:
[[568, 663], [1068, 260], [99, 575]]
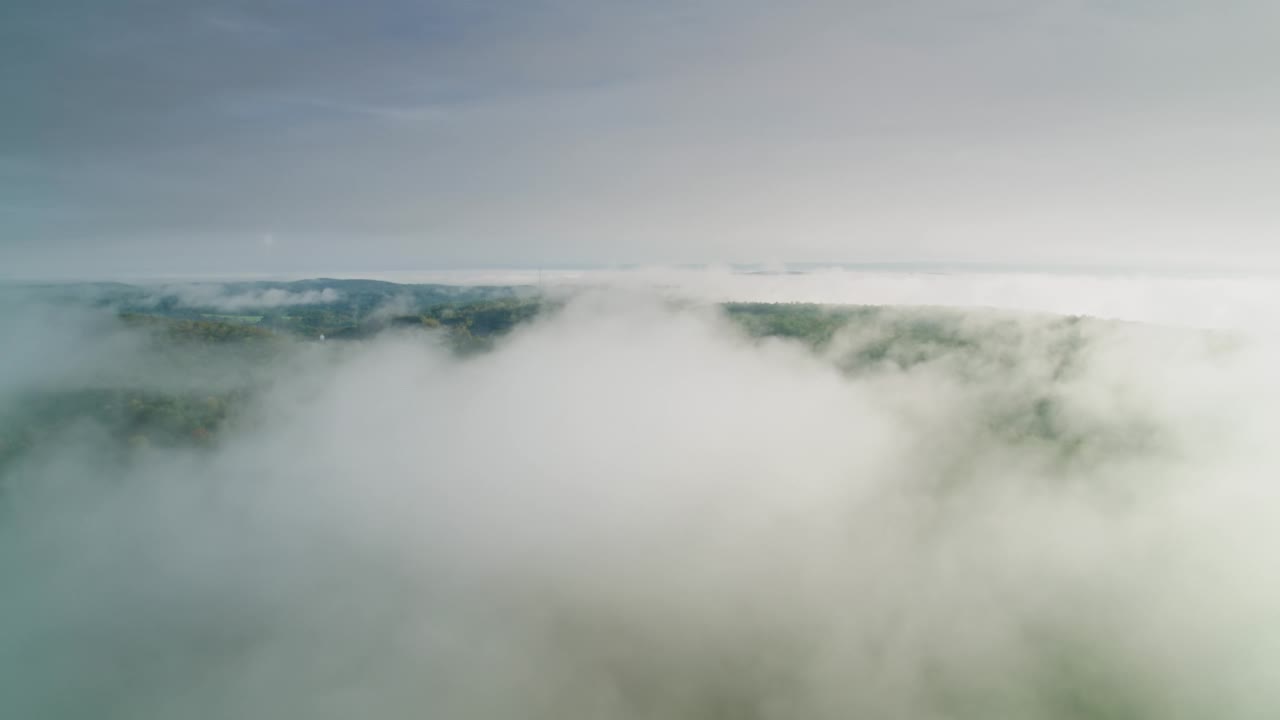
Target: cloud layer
[[631, 510], [218, 297]]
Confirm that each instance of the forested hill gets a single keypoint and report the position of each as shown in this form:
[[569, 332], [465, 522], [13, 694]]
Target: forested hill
[[197, 353], [307, 308], [166, 365]]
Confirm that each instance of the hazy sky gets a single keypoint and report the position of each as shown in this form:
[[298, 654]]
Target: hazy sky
[[275, 135]]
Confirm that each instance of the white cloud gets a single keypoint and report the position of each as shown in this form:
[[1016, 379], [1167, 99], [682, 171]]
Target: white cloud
[[1240, 301], [215, 296], [632, 511]]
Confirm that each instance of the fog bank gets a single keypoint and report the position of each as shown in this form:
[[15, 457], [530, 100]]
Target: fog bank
[[1242, 301], [634, 510]]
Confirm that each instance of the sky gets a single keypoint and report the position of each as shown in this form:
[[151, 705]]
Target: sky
[[281, 135]]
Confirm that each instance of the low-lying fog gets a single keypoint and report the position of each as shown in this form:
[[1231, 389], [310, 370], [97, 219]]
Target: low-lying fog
[[632, 509]]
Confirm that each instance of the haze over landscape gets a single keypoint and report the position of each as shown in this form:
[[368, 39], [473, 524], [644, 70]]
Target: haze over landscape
[[564, 359]]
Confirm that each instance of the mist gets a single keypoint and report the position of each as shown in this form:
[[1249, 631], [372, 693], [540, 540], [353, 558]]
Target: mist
[[631, 508], [221, 298]]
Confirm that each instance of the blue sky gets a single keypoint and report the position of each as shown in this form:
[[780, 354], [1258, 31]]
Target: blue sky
[[281, 135]]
